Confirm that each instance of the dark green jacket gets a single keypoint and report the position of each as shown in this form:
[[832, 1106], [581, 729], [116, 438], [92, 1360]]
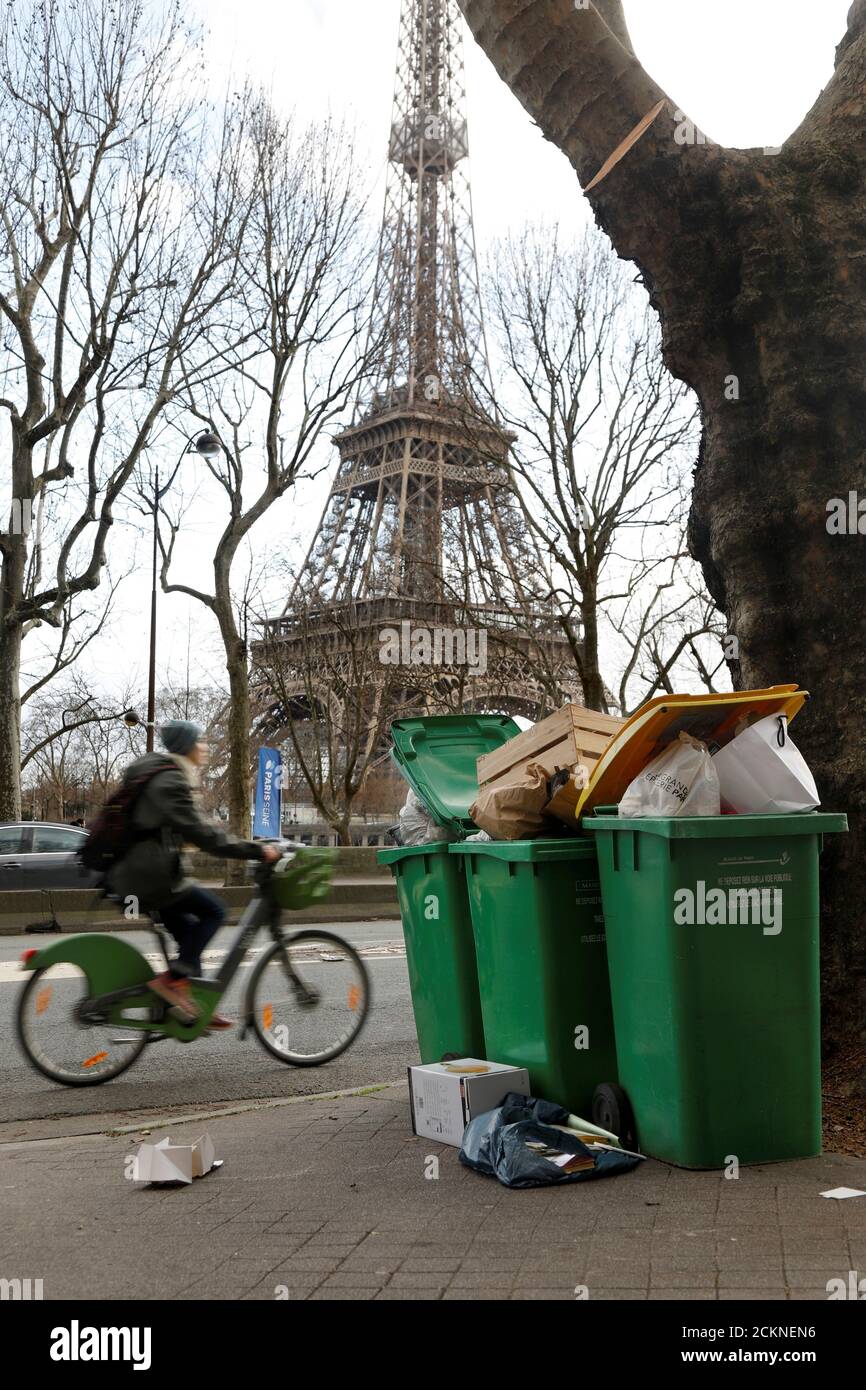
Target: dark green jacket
[[167, 818]]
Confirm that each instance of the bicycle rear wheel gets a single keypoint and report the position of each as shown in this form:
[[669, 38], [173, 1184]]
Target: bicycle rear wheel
[[59, 1040], [309, 997]]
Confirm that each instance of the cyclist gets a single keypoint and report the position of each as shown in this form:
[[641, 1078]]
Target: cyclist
[[166, 817]]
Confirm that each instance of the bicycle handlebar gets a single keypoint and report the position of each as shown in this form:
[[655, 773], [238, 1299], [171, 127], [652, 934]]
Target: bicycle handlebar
[[264, 871], [265, 867]]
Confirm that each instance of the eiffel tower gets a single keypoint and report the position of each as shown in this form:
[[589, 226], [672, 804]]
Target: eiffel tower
[[423, 531]]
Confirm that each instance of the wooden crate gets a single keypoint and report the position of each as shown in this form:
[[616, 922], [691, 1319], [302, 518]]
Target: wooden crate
[[571, 736]]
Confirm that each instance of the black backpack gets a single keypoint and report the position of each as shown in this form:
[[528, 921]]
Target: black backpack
[[113, 834]]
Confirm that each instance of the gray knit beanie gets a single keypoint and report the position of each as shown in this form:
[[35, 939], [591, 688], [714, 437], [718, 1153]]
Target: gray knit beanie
[[179, 735]]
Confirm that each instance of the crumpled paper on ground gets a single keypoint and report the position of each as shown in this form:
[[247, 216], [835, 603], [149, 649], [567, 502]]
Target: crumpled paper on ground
[[168, 1162]]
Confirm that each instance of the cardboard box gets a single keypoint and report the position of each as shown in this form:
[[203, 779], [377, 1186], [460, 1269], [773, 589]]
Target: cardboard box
[[445, 1098], [573, 738]]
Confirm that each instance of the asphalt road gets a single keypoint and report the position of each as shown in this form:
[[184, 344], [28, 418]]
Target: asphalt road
[[219, 1068]]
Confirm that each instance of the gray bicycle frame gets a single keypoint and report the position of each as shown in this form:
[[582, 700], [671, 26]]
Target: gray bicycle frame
[[260, 911], [257, 914]]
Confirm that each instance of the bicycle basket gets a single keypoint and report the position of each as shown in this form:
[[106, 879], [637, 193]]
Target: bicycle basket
[[303, 877]]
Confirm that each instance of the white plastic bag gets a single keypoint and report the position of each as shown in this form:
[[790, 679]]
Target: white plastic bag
[[417, 826], [681, 781], [761, 772]]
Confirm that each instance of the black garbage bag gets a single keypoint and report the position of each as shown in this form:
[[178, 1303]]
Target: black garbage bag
[[497, 1143]]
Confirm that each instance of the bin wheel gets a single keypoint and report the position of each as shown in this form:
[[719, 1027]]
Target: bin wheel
[[611, 1109]]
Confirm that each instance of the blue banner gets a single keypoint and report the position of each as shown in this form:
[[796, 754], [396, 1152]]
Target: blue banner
[[266, 818]]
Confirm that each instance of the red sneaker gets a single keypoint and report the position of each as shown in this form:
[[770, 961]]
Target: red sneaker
[[217, 1022], [175, 991]]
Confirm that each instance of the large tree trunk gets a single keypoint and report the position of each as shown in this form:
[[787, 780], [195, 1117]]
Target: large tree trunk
[[10, 723], [238, 736], [756, 263], [12, 573], [594, 695]]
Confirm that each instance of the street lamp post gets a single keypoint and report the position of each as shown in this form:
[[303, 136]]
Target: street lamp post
[[208, 445]]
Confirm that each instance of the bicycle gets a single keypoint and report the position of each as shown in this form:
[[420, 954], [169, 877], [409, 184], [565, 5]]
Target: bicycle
[[85, 1015]]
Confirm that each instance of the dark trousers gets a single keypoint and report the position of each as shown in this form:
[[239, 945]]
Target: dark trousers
[[193, 920]]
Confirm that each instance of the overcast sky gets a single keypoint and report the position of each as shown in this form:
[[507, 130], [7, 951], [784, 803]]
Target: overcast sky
[[746, 71]]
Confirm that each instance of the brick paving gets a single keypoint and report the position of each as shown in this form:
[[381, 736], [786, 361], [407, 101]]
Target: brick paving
[[330, 1199]]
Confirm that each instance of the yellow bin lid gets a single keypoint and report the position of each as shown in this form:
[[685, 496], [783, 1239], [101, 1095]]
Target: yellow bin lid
[[710, 718]]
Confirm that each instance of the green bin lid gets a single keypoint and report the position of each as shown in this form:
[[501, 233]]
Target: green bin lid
[[438, 756], [722, 827], [528, 851], [395, 854]]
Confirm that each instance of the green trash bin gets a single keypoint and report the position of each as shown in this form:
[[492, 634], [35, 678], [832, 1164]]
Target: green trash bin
[[440, 951], [712, 941], [542, 963], [438, 757]]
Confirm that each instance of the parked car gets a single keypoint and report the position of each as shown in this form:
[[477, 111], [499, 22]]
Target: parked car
[[35, 854]]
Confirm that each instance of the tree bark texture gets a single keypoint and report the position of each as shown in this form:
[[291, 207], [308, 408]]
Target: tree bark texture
[[237, 725]]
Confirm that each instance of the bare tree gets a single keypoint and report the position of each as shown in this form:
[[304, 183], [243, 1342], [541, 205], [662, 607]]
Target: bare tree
[[74, 745], [604, 434], [79, 626], [57, 780], [106, 746], [672, 634], [747, 256], [61, 712], [115, 218], [303, 285]]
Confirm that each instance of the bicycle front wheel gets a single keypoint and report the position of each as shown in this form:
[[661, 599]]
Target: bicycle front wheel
[[309, 997], [60, 1040]]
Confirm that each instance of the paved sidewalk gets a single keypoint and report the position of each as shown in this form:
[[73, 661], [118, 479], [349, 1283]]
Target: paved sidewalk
[[331, 1199]]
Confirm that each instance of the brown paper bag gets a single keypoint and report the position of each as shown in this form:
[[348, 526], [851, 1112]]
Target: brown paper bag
[[513, 811]]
